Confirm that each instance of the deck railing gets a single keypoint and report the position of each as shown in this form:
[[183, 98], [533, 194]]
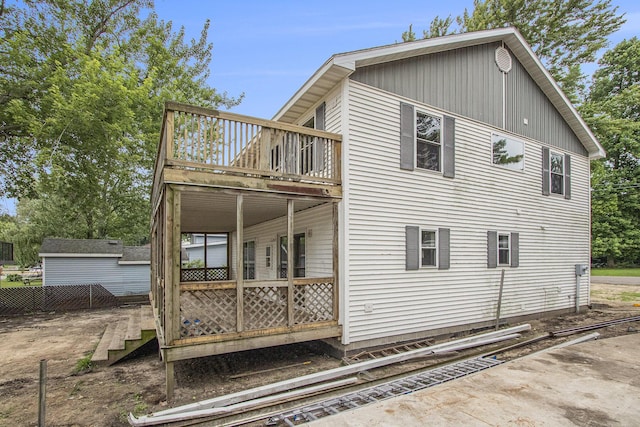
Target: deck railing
[[210, 309], [207, 139]]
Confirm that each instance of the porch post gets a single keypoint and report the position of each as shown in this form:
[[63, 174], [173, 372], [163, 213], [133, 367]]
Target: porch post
[[239, 263], [172, 278], [336, 262], [290, 258]]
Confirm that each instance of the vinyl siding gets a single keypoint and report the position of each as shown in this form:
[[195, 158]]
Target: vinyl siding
[[468, 82], [383, 199], [116, 278], [315, 222]]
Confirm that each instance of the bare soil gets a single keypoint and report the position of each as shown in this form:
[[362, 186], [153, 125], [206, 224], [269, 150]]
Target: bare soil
[[103, 396]]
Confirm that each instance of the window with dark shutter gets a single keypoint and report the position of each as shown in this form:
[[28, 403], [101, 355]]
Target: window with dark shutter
[[407, 136], [443, 248], [449, 147], [515, 249], [412, 242], [546, 186], [492, 249]]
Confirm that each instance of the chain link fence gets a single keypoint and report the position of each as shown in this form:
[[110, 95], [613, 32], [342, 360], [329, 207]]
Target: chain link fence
[[28, 299]]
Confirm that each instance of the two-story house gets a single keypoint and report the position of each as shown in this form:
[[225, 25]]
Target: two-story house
[[386, 201]]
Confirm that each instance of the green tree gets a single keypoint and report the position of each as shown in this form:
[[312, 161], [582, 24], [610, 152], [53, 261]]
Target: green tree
[[82, 87], [564, 34], [612, 110]]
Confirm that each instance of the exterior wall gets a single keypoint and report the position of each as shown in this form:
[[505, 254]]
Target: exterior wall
[[467, 82], [525, 100], [316, 223], [383, 199], [216, 254], [118, 279]]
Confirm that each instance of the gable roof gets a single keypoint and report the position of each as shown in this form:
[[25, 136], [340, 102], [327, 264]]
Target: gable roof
[[342, 65], [81, 247], [136, 254]]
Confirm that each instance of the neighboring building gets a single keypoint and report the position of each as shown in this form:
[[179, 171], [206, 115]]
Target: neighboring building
[[449, 160], [122, 270], [200, 258]]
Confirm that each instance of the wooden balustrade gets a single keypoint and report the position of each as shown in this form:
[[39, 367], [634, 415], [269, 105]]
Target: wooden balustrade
[[206, 139]]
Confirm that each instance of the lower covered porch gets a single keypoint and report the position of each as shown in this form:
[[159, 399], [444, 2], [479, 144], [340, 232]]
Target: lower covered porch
[[237, 270]]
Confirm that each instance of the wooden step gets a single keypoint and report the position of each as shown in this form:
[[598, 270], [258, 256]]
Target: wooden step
[[147, 321], [101, 353], [117, 342], [133, 326]]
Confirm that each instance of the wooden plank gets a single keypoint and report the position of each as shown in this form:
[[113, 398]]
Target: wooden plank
[[290, 259], [134, 331], [239, 263], [169, 132], [170, 379], [168, 270], [176, 106], [208, 179], [117, 340], [203, 349], [336, 261], [147, 321], [204, 286], [101, 353], [175, 261]]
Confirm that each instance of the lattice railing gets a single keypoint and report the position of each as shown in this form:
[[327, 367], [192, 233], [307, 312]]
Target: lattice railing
[[265, 307], [204, 274], [207, 312], [211, 308], [313, 303]]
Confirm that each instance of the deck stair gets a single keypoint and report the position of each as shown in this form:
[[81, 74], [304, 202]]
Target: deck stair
[[124, 336]]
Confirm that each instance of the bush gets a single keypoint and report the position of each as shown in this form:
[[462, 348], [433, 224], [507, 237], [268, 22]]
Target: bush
[[14, 278]]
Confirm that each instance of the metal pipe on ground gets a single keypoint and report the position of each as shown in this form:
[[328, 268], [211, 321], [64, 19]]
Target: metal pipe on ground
[[342, 371], [239, 407]]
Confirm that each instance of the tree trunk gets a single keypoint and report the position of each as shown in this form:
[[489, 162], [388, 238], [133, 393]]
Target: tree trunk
[[611, 262]]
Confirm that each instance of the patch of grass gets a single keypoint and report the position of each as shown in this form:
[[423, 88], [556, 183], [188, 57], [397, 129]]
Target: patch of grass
[[141, 405], [629, 296], [84, 365], [621, 272]]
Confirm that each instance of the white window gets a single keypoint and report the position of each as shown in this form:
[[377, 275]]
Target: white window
[[428, 248], [557, 173], [249, 266], [267, 257], [428, 145], [507, 152], [504, 240]]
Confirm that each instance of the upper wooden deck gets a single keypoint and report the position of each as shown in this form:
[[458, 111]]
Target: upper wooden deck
[[200, 146]]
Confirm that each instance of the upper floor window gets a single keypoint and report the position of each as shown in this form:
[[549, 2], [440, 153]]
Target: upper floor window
[[557, 173], [428, 146], [507, 152]]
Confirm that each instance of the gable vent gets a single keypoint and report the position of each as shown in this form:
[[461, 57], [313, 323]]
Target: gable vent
[[503, 59]]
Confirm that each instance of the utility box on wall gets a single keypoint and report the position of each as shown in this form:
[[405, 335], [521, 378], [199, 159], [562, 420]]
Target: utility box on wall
[[581, 269]]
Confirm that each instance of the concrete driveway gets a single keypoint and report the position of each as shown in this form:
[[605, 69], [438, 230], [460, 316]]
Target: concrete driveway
[[615, 280], [596, 383]]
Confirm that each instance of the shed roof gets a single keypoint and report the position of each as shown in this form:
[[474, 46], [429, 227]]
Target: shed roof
[[136, 254], [342, 65], [82, 247]]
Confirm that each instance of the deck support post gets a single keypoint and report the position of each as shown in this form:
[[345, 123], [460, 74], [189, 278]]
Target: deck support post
[[336, 260], [170, 379], [290, 260], [172, 258], [239, 263]]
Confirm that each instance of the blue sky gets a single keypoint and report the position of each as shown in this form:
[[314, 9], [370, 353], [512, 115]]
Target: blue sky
[[268, 49]]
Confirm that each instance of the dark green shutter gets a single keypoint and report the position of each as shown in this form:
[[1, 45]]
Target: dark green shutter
[[567, 176], [449, 147], [412, 241], [407, 137], [443, 248], [515, 249], [492, 249], [546, 176]]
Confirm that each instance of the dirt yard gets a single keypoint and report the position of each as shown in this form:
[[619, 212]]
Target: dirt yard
[[103, 396]]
